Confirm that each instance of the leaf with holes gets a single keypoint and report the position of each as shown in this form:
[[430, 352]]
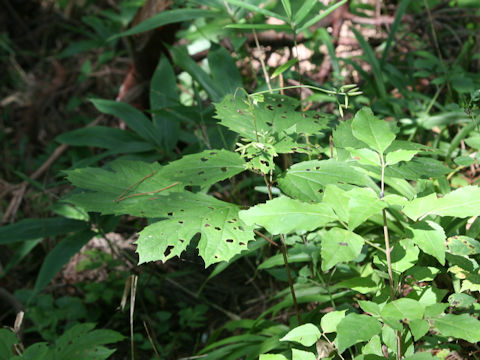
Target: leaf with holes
[[275, 115], [129, 185], [222, 233], [283, 215]]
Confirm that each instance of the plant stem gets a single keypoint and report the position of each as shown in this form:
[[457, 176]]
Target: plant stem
[[290, 281], [285, 259], [264, 68], [388, 249]]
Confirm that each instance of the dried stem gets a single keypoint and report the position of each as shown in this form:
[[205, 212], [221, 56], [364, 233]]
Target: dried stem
[[146, 193]]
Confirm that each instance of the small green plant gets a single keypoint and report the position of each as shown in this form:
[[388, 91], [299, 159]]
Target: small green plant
[[355, 202]]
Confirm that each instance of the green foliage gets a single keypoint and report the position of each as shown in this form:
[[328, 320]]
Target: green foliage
[[79, 342]]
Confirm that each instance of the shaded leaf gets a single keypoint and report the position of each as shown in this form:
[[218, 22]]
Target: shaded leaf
[[31, 229], [59, 256], [419, 328], [302, 355]]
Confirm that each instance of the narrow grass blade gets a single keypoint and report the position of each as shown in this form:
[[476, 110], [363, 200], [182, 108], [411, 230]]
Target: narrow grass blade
[[373, 61], [321, 16], [256, 9], [398, 17]]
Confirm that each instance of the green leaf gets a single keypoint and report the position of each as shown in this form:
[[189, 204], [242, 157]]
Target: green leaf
[[7, 340], [37, 351], [287, 7], [164, 93], [59, 256], [166, 17], [462, 326], [299, 253], [374, 63], [182, 59], [272, 357], [256, 9], [302, 355], [375, 133], [304, 10], [354, 206], [134, 118], [422, 356], [463, 202], [419, 328], [306, 179], [224, 70], [363, 285], [464, 160], [306, 334], [136, 177], [269, 118], [284, 67], [205, 168], [430, 238], [283, 215], [355, 328], [261, 27], [461, 300], [370, 307], [106, 138], [401, 310], [32, 229], [463, 245], [222, 234], [163, 86], [330, 320], [81, 342], [399, 155], [319, 17], [404, 256], [339, 245]]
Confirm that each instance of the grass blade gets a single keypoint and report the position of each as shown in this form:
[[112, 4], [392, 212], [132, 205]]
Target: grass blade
[[257, 9], [373, 61], [304, 10], [321, 16], [398, 17]]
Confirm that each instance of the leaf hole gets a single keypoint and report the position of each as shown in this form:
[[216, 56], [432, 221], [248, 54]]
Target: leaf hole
[[270, 107], [213, 153], [207, 225], [168, 250], [217, 228], [180, 222], [242, 243], [341, 243], [170, 214], [223, 168], [204, 159], [229, 240], [201, 172], [269, 123], [181, 240]]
